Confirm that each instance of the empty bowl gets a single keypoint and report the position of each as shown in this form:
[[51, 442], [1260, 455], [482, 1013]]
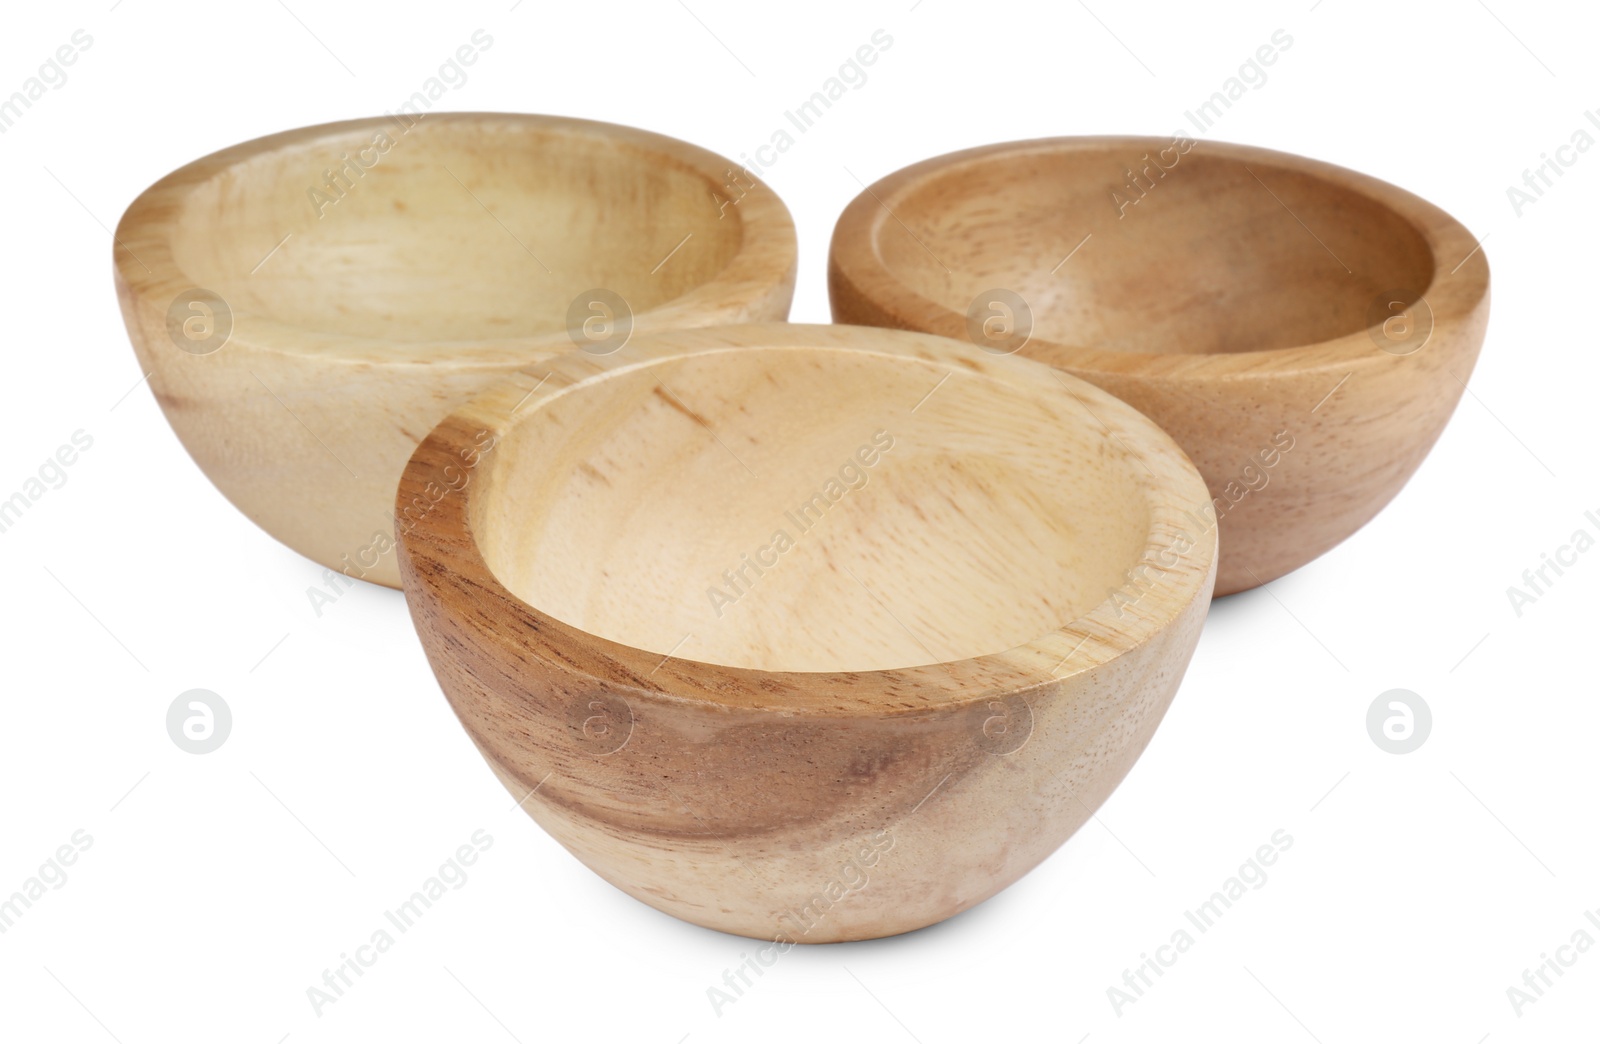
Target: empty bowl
[[805, 633], [1303, 331], [308, 305]]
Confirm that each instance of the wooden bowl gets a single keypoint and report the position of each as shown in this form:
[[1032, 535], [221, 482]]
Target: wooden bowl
[[750, 617], [308, 305], [1303, 331]]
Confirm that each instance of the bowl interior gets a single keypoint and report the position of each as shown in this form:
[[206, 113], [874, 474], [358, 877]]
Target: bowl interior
[[1196, 252], [452, 228], [810, 510]]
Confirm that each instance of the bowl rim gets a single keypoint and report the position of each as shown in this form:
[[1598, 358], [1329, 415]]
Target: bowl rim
[[764, 263], [1452, 294], [449, 583]]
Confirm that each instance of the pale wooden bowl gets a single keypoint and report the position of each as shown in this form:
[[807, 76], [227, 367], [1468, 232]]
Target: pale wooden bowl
[[956, 594], [1303, 331], [364, 278]]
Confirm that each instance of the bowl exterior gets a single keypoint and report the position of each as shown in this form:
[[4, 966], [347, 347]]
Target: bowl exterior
[[1297, 456], [310, 446], [799, 806], [792, 828], [1298, 460]]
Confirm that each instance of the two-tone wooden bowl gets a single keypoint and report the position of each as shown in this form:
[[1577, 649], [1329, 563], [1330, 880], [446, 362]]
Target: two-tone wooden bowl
[[308, 305], [806, 633], [1303, 331]]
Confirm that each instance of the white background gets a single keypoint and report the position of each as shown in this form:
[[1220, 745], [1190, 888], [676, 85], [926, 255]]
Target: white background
[[219, 887]]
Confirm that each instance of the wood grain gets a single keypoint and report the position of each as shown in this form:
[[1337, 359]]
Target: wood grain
[[957, 595], [1304, 332], [374, 274]]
